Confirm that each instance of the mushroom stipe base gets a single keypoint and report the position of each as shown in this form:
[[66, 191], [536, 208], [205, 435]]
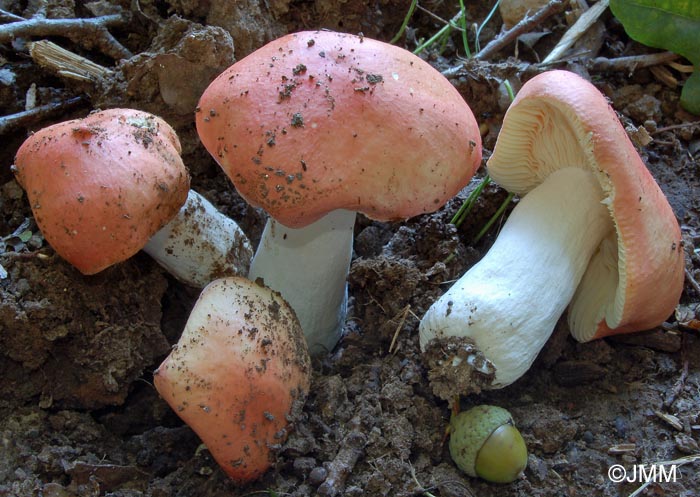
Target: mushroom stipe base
[[455, 364]]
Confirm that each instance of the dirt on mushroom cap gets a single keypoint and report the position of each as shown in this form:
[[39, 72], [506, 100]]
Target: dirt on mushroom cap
[[101, 186], [238, 373], [353, 123]]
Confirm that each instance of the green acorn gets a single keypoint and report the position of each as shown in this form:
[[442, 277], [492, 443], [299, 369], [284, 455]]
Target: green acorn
[[484, 442]]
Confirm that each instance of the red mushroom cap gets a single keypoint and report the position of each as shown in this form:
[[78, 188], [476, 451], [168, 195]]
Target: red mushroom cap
[[101, 186], [634, 281], [317, 121]]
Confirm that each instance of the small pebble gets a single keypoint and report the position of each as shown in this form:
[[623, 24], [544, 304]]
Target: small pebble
[[318, 475]]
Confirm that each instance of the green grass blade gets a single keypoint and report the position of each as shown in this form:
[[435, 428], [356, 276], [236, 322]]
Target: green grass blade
[[409, 14]]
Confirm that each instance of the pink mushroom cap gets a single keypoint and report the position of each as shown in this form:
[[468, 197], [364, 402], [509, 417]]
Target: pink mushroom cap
[[317, 121], [101, 186]]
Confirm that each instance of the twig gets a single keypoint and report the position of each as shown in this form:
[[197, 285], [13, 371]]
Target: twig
[[352, 448], [630, 63], [10, 16], [525, 25], [677, 386], [581, 25], [37, 114], [690, 279], [451, 24], [444, 21], [675, 126], [84, 32]]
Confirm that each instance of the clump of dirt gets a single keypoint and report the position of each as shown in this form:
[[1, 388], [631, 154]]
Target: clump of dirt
[[79, 415], [170, 75], [77, 342]]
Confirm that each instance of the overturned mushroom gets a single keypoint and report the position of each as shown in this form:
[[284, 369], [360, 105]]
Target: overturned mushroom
[[316, 126], [593, 232], [106, 186], [238, 375]]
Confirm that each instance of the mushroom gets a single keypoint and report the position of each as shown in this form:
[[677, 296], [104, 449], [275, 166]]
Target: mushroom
[[239, 374], [316, 126], [593, 231], [104, 187]]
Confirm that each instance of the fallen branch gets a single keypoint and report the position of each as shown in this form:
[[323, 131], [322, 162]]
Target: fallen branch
[[84, 32], [524, 26], [30, 117]]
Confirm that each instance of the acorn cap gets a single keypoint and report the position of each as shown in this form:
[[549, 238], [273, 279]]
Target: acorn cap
[[317, 121], [634, 280]]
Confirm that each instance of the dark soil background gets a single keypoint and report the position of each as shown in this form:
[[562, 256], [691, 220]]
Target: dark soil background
[[78, 413]]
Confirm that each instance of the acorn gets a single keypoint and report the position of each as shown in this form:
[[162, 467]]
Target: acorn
[[484, 442]]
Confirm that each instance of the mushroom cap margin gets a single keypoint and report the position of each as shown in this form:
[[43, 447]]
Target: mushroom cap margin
[[559, 119]]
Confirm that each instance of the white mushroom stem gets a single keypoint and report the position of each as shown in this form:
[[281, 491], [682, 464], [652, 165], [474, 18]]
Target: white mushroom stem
[[309, 267], [510, 301], [201, 244]]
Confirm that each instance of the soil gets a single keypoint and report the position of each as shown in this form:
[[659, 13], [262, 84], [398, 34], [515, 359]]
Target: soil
[[79, 415]]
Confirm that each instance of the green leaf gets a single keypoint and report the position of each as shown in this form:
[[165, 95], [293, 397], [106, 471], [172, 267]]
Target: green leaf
[[670, 25]]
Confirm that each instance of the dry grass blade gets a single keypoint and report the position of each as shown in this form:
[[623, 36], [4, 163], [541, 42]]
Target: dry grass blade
[[403, 314]]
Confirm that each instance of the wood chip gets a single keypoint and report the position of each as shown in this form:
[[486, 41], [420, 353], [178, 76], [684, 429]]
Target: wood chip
[[66, 63], [662, 74], [622, 449], [670, 419]]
